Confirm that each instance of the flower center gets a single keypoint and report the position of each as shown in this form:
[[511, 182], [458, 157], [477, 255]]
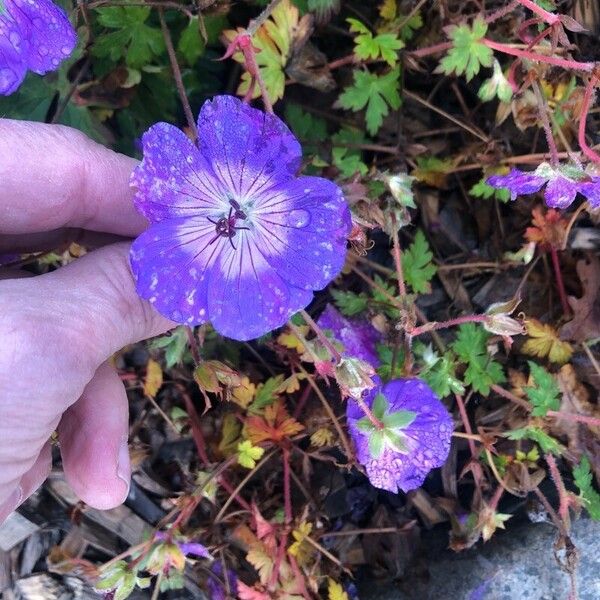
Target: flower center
[[227, 226]]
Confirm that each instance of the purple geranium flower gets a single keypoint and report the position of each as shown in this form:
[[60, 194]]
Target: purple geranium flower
[[216, 588], [563, 183], [415, 437], [359, 337], [235, 237], [187, 548], [35, 35]]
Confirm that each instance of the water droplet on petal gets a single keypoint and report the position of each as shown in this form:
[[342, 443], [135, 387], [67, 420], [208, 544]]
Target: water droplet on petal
[[298, 218]]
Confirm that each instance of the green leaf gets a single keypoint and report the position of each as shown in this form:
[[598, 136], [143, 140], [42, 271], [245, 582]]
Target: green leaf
[[346, 158], [377, 93], [132, 39], [537, 435], [470, 347], [378, 296], [545, 395], [439, 372], [417, 266], [583, 480], [395, 441], [482, 190], [266, 394], [308, 128], [350, 303], [191, 45], [368, 46], [386, 370], [468, 53], [496, 85]]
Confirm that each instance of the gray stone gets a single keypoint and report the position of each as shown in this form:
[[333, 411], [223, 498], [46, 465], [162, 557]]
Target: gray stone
[[515, 564]]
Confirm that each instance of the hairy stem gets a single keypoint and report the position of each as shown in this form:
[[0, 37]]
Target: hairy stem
[[434, 325], [585, 109], [559, 281]]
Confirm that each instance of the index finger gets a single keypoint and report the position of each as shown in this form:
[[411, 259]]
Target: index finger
[[53, 176]]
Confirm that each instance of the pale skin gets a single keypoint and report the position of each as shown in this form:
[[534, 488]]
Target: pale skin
[[59, 330]]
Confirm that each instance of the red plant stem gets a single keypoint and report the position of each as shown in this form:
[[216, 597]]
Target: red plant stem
[[549, 17], [337, 357], [435, 49], [368, 413], [397, 254], [187, 109], [467, 427], [563, 508], [302, 402], [445, 324], [287, 493], [342, 62], [592, 421], [496, 498], [585, 109], [559, 281], [193, 343], [501, 12], [543, 110], [534, 56]]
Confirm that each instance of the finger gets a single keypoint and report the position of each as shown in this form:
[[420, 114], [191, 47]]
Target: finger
[[29, 482], [93, 441], [54, 176], [50, 240], [78, 316]]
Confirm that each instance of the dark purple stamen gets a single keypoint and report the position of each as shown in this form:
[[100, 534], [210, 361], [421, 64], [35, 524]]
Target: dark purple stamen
[[225, 226]]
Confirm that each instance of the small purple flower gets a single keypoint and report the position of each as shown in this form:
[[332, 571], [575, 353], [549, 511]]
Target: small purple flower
[[187, 548], [35, 35], [563, 183], [235, 237], [415, 437], [216, 588], [359, 337]]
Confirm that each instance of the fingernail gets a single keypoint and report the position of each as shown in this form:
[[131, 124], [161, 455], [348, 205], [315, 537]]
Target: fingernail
[[13, 501], [124, 464]]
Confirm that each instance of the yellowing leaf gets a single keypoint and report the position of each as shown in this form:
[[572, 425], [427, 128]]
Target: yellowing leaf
[[261, 560], [230, 435], [544, 342], [154, 378], [387, 11], [335, 591], [244, 393], [274, 40], [274, 426], [322, 437], [300, 549], [249, 454], [289, 340]]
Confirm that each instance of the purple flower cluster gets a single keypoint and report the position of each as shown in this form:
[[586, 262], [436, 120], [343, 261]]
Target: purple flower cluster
[[562, 184], [236, 238], [416, 427], [35, 35]]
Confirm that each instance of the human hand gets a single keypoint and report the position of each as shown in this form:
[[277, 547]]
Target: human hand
[[58, 330]]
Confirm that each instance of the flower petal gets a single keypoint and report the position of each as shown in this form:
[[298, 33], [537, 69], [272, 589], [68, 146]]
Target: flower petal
[[174, 179], [518, 182], [428, 437], [591, 190], [12, 63], [247, 148], [358, 336], [560, 192], [246, 296], [170, 263], [303, 226], [49, 37]]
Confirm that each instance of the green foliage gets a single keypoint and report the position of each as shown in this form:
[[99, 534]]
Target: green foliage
[[468, 53], [323, 8], [249, 454], [133, 39], [439, 372], [266, 394], [383, 299], [383, 46], [417, 266], [545, 395], [349, 303], [470, 347], [537, 435], [583, 480], [378, 93], [191, 43], [391, 367], [309, 129], [482, 190], [174, 346], [409, 28], [346, 158]]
